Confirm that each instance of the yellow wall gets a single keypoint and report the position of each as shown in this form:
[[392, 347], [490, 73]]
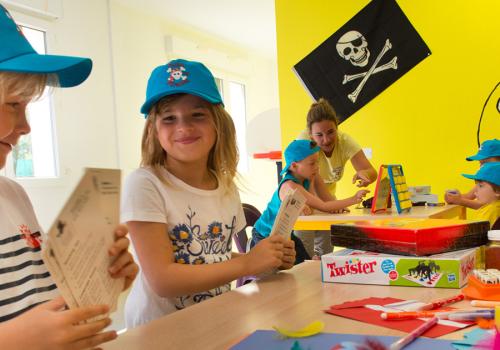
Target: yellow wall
[[427, 119]]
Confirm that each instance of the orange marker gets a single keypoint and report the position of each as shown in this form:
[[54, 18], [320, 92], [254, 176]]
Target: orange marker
[[408, 315], [484, 303]]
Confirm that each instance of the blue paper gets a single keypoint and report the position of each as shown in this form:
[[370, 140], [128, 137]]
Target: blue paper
[[267, 339], [471, 339]]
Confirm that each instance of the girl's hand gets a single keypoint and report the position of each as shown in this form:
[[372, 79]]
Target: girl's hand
[[266, 255], [123, 265], [47, 326], [289, 253]]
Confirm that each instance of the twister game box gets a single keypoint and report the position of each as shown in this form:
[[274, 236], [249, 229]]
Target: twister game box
[[447, 270], [410, 236]]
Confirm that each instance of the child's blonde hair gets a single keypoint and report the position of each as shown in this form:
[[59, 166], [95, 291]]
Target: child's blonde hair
[[223, 157], [28, 86]]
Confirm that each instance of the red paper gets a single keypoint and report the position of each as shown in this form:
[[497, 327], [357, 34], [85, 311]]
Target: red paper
[[355, 310]]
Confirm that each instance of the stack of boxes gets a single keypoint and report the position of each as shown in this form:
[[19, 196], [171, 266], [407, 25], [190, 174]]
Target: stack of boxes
[[430, 252], [422, 194]]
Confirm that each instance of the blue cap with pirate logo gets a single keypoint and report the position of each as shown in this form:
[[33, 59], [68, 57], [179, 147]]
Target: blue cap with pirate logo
[[489, 172], [17, 55], [180, 77], [298, 150], [488, 149]]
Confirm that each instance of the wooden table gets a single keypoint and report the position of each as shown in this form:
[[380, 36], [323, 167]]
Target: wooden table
[[290, 299], [323, 221]]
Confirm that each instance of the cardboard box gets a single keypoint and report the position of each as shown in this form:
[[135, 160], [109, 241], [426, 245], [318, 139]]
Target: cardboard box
[[426, 189], [406, 236], [428, 198], [448, 270]]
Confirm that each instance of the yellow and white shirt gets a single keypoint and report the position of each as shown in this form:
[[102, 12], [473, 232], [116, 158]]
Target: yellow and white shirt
[[331, 168]]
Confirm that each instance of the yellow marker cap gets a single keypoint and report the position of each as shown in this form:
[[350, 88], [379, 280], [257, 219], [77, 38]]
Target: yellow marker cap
[[497, 317]]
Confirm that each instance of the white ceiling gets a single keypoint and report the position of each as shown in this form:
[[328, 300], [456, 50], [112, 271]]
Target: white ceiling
[[248, 23]]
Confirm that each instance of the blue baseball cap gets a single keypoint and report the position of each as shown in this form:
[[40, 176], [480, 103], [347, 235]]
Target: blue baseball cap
[[17, 55], [489, 172], [298, 150], [180, 77], [488, 149]]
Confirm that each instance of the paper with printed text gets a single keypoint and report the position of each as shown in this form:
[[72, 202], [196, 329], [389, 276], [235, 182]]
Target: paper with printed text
[[290, 209], [76, 251]]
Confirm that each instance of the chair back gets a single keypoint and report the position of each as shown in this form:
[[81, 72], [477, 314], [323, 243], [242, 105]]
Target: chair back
[[252, 214]]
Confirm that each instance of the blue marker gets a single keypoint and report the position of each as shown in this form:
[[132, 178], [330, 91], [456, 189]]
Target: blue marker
[[472, 315]]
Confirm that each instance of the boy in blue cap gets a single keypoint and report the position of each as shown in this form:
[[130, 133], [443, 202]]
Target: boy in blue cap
[[488, 152], [487, 191], [301, 174], [32, 316]]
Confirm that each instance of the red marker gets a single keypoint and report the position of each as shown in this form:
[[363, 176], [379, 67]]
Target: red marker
[[440, 303], [408, 315]]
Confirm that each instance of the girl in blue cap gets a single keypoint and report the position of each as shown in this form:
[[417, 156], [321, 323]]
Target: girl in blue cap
[[32, 316], [302, 173], [487, 153], [182, 206]]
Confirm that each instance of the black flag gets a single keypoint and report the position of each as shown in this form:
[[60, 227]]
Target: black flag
[[361, 59]]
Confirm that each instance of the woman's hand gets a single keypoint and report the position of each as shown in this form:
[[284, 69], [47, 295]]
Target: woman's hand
[[362, 178], [123, 264]]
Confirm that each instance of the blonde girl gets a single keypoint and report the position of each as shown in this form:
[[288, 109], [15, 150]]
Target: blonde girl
[[182, 206]]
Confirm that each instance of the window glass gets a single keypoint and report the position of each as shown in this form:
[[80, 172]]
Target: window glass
[[34, 154]]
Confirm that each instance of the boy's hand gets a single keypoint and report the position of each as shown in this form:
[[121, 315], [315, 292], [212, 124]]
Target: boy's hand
[[360, 195], [307, 210], [452, 197], [266, 255], [340, 211], [289, 253], [123, 265], [362, 179], [47, 326]]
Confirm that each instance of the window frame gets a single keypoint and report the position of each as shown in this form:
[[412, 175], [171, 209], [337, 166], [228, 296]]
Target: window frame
[[226, 79], [44, 25]]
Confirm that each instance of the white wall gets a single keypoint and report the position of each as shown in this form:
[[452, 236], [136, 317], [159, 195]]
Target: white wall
[[98, 123]]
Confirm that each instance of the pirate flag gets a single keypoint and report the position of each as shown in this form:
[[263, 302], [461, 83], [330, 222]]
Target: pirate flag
[[361, 59]]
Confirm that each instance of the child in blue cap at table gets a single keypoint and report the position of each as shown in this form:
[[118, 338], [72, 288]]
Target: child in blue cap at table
[[301, 174], [182, 206], [487, 191], [32, 315], [488, 152]]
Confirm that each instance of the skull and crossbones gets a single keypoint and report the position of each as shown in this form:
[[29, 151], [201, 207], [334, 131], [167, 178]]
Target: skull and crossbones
[[177, 76], [353, 47]]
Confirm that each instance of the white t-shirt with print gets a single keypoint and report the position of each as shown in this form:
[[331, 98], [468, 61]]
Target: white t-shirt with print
[[331, 168], [24, 280], [200, 224]]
